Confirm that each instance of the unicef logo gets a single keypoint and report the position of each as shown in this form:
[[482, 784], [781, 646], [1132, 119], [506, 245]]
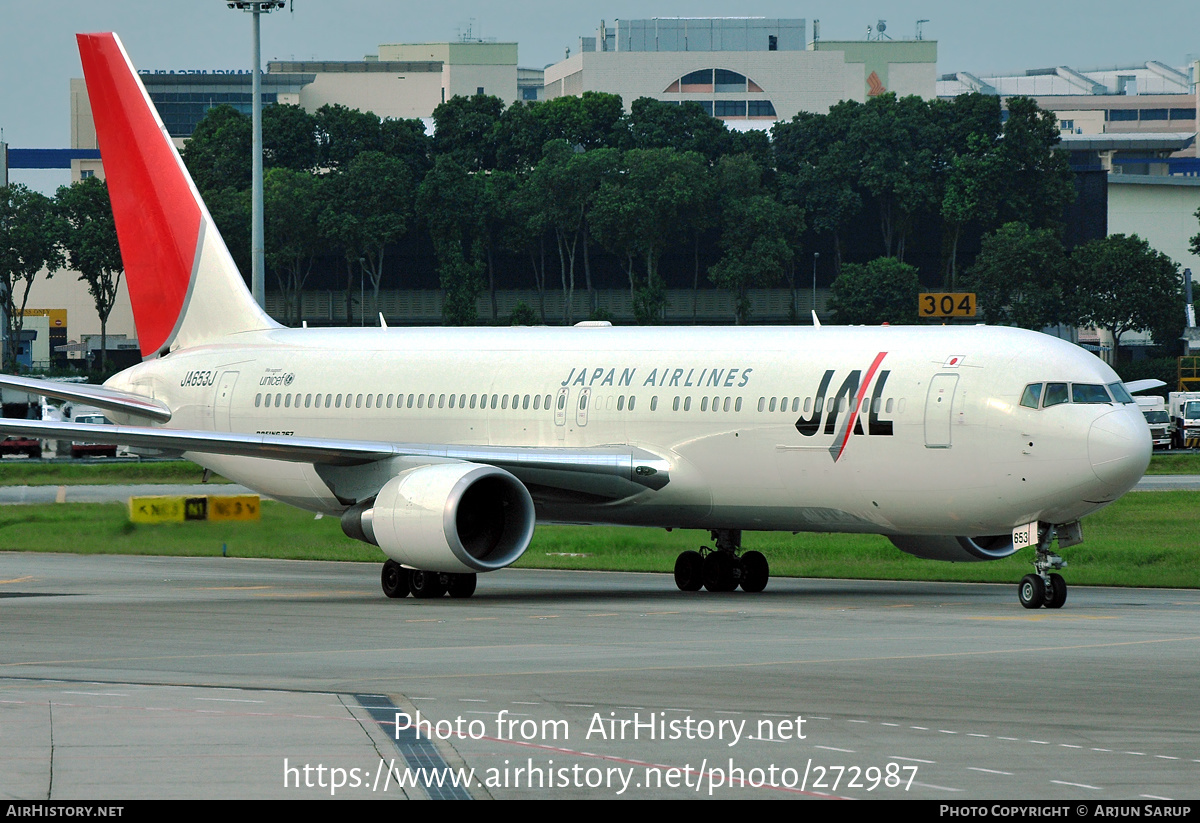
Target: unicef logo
[[277, 379]]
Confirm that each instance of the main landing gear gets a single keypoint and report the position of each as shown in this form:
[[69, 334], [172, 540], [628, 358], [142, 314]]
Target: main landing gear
[[399, 582], [724, 568], [1044, 588]]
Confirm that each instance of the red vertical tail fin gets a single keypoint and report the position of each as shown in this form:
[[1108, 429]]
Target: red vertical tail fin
[[183, 284]]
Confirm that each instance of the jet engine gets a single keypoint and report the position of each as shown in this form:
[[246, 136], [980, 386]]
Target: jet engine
[[955, 549], [447, 517]]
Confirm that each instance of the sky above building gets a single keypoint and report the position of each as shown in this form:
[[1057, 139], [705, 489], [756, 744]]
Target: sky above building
[[38, 56]]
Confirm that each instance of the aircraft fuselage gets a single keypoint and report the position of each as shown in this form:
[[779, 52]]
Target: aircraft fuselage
[[864, 429]]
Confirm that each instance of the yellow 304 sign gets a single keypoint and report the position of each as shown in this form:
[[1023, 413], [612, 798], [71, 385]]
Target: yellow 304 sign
[[946, 304]]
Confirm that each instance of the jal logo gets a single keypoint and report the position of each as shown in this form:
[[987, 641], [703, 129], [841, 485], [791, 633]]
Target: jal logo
[[840, 414]]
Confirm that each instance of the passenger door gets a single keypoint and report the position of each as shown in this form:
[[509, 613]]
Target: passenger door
[[939, 410]]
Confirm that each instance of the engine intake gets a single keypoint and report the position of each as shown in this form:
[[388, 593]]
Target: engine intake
[[448, 517], [955, 549]]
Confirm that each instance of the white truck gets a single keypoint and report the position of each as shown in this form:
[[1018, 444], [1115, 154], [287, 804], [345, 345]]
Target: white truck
[[87, 414], [1158, 419], [1185, 414]]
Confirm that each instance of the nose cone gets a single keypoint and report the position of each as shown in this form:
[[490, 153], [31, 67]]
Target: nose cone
[[1119, 448]]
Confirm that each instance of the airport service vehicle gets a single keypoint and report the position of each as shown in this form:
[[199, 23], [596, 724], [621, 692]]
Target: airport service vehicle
[[1185, 414], [19, 405], [93, 417], [444, 447], [1158, 419]]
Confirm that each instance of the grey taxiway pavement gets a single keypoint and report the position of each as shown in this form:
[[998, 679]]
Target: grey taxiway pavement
[[125, 677]]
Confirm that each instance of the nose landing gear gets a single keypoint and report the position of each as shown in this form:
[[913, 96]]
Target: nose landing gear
[[724, 568], [1043, 587]]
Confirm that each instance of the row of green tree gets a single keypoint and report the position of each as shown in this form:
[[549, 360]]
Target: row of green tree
[[38, 233], [1025, 277], [567, 193]]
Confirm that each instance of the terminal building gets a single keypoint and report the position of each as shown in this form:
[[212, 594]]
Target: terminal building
[[741, 68], [1150, 104]]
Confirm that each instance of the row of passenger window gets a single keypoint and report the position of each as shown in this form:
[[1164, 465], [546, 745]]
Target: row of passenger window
[[401, 401], [719, 403], [1044, 395], [877, 405], [536, 402]]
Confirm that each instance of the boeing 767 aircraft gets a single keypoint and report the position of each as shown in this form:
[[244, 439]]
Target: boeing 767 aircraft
[[444, 447]]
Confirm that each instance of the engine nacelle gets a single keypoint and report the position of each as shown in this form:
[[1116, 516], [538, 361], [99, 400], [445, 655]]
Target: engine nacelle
[[955, 549], [449, 517]]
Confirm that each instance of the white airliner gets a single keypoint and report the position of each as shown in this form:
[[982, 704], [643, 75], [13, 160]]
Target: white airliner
[[443, 447]]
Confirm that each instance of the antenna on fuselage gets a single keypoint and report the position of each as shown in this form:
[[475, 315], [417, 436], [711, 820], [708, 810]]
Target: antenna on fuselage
[[816, 320], [382, 322]]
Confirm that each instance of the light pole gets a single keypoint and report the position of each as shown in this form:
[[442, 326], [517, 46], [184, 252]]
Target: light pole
[[257, 253], [816, 255]]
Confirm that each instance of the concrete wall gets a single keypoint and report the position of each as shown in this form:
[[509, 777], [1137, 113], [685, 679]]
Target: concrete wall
[[65, 291], [466, 67], [1161, 211], [903, 67], [406, 95]]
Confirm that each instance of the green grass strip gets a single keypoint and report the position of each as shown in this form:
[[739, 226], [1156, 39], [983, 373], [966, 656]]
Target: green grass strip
[[1144, 539], [18, 472]]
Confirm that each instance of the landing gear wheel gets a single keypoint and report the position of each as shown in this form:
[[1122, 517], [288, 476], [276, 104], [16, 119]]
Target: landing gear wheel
[[755, 572], [1044, 588], [719, 572], [394, 579], [426, 584], [461, 585], [1032, 591], [689, 571], [1058, 592]]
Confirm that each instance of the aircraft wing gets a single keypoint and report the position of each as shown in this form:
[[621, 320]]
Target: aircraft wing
[[101, 397], [1135, 386], [607, 471]]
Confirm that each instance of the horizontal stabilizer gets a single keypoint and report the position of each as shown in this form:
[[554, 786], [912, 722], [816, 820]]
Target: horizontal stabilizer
[[101, 397]]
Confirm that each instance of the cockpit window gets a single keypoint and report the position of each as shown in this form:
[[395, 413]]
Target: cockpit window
[[1119, 393], [1055, 393], [1089, 393], [1033, 393]]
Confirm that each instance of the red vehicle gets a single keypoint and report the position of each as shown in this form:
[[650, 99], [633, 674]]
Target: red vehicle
[[21, 406], [85, 449]]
